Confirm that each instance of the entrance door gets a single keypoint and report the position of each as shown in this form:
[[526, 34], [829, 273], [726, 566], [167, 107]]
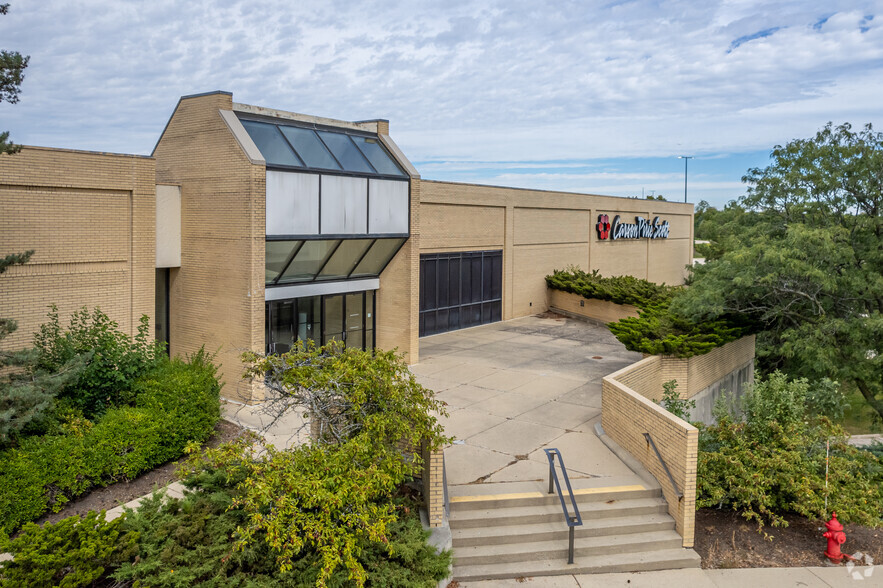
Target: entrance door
[[459, 290]]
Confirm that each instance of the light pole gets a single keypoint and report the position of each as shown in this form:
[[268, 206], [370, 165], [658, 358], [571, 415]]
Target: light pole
[[685, 158]]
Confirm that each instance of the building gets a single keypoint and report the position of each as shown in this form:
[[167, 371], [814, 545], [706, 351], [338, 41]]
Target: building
[[272, 226]]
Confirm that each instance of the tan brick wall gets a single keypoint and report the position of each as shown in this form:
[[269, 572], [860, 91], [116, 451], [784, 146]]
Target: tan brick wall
[[541, 231], [629, 409], [217, 296], [398, 299], [598, 310], [705, 370], [433, 486], [626, 414], [90, 218]]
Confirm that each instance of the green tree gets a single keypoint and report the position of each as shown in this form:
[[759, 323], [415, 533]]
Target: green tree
[[368, 418], [800, 258], [12, 66]]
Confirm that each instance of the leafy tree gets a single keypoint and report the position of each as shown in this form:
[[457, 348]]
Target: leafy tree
[[369, 418], [800, 258], [12, 66]]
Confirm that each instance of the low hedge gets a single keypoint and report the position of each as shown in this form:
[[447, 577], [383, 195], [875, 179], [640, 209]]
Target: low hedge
[[617, 289], [175, 404], [656, 330]]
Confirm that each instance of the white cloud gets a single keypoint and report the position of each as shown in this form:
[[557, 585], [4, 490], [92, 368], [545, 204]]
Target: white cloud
[[503, 80]]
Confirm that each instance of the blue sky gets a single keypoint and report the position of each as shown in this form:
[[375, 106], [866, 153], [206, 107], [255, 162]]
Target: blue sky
[[596, 97]]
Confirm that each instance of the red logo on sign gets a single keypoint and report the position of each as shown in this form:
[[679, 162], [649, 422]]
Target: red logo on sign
[[603, 226]]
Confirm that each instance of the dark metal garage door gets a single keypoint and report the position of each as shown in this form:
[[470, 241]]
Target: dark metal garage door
[[459, 290]]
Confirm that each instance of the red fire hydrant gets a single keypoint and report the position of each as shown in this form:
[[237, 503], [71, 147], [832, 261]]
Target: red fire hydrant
[[836, 538]]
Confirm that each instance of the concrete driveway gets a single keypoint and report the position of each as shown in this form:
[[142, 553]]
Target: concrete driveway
[[516, 387]]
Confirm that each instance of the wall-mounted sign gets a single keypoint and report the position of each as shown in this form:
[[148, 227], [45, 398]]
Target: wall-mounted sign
[[640, 229]]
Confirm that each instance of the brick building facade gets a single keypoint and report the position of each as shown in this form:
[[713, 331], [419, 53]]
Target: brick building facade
[[249, 228]]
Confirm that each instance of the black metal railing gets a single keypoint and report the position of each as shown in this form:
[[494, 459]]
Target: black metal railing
[[671, 479], [574, 520]]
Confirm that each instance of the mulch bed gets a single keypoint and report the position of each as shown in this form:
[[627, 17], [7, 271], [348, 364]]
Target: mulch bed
[[726, 540], [122, 492]]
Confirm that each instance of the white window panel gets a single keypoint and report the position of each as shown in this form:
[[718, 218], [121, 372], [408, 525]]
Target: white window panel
[[344, 205], [388, 207], [292, 203]]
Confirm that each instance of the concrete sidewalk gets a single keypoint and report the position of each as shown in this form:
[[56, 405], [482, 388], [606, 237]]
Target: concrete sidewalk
[[817, 577], [516, 387]]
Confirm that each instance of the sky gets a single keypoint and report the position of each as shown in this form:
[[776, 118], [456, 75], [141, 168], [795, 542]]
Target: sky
[[596, 97]]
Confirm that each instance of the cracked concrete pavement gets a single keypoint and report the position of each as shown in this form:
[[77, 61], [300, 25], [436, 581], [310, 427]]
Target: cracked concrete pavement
[[516, 387]]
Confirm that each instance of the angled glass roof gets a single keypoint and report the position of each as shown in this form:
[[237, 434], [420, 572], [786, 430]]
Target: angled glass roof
[[326, 149]]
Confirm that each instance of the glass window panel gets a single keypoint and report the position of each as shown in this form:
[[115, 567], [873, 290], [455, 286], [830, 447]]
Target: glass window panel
[[377, 258], [346, 152], [345, 258], [271, 143], [442, 287], [308, 261], [309, 319], [454, 281], [309, 147], [369, 309], [355, 320], [276, 256], [475, 262], [497, 276], [281, 326], [369, 340], [378, 156], [333, 318]]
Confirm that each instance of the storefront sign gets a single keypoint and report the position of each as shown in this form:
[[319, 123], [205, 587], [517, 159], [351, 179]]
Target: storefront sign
[[640, 229]]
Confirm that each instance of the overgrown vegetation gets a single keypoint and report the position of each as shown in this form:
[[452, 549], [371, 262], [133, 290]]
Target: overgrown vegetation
[[370, 421], [192, 542], [121, 408], [73, 552], [335, 512], [772, 460], [799, 257], [657, 330], [673, 403]]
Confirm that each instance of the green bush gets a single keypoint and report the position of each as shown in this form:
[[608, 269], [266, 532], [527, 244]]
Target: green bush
[[73, 552], [618, 289], [192, 542], [114, 360], [773, 462], [177, 403], [672, 401], [656, 331]]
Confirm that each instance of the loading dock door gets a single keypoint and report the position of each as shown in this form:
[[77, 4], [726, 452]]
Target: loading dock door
[[459, 290]]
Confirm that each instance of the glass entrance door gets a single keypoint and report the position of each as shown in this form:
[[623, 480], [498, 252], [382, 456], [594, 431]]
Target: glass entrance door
[[335, 317]]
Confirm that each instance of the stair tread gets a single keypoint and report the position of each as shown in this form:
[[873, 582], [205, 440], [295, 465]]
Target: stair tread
[[552, 509], [558, 544], [558, 526], [638, 561]]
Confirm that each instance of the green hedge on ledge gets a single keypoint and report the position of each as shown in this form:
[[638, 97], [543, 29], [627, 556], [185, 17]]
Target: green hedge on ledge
[[656, 331], [175, 404]]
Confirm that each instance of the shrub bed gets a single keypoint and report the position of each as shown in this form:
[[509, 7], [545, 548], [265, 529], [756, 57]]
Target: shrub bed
[[176, 403], [772, 461], [656, 331]]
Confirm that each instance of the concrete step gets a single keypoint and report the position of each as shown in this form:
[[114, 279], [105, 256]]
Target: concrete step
[[538, 498], [557, 530], [527, 515], [557, 549], [663, 559]]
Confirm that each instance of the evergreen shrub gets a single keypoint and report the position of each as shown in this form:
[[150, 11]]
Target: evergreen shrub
[[71, 553], [656, 330], [175, 404]]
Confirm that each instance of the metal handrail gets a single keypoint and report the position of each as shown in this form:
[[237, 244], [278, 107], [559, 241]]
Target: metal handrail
[[572, 521], [671, 479]]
